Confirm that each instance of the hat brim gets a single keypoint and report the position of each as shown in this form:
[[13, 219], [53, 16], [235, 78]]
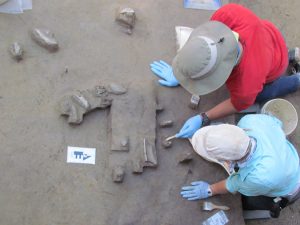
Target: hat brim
[[227, 58], [197, 142]]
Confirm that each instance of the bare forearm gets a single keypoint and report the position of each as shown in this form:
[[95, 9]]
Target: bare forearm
[[221, 110], [219, 188]]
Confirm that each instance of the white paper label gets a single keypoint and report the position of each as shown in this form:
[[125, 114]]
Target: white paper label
[[219, 218], [81, 155]]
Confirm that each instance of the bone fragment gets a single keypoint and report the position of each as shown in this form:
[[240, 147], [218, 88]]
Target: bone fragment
[[45, 38], [166, 123], [118, 174]]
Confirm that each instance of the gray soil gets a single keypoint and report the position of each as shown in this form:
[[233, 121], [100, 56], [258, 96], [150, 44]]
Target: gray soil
[[37, 186]]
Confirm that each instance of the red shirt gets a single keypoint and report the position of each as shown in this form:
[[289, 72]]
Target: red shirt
[[265, 55]]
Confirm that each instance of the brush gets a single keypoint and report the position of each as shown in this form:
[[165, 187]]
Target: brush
[[209, 206]]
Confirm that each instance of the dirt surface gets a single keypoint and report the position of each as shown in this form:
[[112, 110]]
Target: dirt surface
[[37, 185]]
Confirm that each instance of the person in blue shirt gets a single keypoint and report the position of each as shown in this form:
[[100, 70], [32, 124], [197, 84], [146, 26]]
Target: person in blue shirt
[[268, 164]]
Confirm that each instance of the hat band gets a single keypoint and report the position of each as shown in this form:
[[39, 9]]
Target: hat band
[[213, 58], [251, 149]]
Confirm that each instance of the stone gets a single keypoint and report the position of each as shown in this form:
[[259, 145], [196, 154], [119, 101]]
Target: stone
[[159, 107], [16, 51], [100, 91], [166, 123], [185, 157], [116, 89], [165, 143], [118, 174], [126, 18], [45, 38], [137, 166], [194, 102], [76, 105]]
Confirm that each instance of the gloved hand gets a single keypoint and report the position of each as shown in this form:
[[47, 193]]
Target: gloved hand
[[198, 190], [190, 127], [164, 71]]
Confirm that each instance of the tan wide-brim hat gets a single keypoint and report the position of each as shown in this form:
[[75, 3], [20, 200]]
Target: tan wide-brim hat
[[207, 59], [3, 1]]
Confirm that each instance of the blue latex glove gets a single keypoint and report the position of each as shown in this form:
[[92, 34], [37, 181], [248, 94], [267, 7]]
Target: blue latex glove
[[164, 71], [190, 127], [198, 190]]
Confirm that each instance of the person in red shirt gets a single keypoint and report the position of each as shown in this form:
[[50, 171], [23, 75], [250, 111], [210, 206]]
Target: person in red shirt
[[235, 48]]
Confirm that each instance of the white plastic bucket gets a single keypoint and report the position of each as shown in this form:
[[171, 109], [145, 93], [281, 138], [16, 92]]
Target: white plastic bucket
[[284, 111]]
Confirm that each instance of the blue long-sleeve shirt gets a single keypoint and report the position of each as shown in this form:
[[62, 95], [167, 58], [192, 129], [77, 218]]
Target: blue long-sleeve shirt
[[273, 169]]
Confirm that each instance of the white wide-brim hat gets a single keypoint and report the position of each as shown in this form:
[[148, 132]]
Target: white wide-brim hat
[[221, 143]]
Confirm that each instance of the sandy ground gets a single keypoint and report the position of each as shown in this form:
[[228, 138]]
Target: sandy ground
[[37, 186]]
